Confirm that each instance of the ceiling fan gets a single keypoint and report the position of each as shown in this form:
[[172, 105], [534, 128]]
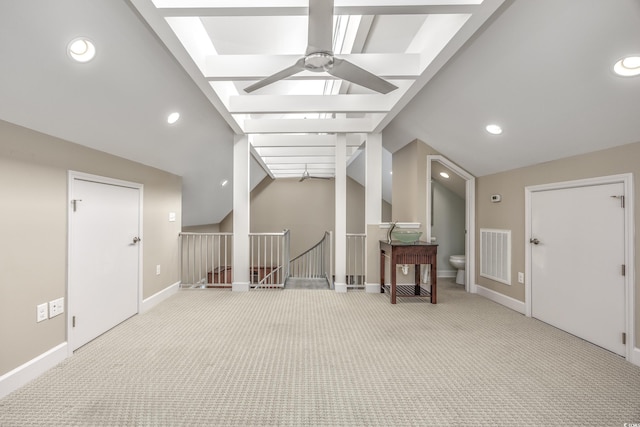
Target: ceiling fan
[[319, 55], [306, 175]]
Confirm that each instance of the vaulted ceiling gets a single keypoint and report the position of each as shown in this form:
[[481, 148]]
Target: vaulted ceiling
[[228, 47], [542, 69]]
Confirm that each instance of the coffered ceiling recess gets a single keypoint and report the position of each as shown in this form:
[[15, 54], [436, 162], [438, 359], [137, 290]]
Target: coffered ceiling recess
[[227, 46]]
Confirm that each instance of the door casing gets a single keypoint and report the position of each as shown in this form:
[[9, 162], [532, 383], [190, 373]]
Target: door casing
[[72, 176]]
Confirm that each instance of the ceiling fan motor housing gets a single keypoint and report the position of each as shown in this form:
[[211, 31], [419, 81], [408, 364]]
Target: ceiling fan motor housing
[[318, 61]]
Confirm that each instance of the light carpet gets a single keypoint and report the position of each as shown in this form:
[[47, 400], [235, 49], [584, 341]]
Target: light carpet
[[319, 358]]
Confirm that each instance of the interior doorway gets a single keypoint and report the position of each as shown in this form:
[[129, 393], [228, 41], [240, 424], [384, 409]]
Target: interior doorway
[[469, 196], [104, 255], [579, 261]]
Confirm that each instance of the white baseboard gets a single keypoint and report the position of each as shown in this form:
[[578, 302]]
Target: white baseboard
[[372, 288], [158, 297], [635, 356], [240, 286], [508, 302], [447, 273], [340, 287], [13, 380]]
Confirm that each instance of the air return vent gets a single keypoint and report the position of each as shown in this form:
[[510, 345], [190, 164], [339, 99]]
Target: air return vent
[[495, 255]]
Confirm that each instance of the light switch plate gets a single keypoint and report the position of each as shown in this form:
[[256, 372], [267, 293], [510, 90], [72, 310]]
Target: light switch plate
[[42, 312], [172, 216]]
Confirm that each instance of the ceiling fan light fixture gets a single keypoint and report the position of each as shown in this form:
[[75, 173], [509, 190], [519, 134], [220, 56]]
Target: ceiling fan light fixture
[[628, 66], [81, 49]]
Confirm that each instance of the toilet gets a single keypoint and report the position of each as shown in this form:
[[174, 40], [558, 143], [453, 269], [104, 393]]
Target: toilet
[[458, 262]]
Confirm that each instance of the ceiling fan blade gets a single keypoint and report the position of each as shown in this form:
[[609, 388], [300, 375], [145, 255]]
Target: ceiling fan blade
[[350, 72], [287, 72], [320, 38]]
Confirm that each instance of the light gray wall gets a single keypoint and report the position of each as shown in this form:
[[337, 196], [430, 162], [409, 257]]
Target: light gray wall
[[509, 214], [33, 232], [448, 224]]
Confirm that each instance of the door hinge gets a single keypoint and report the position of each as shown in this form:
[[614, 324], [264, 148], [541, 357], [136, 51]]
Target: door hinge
[[74, 202], [621, 200], [624, 270], [624, 338], [73, 322]]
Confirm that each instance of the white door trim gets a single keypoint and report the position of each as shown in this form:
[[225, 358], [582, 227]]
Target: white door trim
[[470, 215], [73, 175], [629, 257]]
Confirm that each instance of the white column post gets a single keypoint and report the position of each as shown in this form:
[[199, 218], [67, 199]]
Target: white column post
[[241, 213], [340, 282], [373, 210]]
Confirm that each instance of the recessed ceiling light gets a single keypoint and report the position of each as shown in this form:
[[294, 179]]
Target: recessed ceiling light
[[444, 174], [81, 49], [628, 66], [173, 117], [494, 129]]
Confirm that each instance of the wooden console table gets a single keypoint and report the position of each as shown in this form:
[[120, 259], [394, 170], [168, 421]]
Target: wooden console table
[[409, 253]]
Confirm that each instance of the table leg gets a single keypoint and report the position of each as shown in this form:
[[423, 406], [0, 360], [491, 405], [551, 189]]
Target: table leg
[[434, 283], [393, 281], [382, 272], [416, 269]]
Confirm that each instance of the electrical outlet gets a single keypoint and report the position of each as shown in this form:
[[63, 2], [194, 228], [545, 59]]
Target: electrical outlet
[[520, 277], [56, 307], [43, 314], [158, 270]]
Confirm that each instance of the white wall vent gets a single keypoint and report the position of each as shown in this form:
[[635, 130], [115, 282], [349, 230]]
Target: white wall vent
[[495, 255]]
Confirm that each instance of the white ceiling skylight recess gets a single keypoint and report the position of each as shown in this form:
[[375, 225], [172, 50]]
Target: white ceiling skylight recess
[[228, 46]]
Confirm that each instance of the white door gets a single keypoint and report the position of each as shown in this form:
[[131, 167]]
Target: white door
[[577, 253], [103, 258]]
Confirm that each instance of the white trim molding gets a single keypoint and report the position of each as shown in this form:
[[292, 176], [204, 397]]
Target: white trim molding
[[470, 215], [501, 299], [340, 288], [447, 273], [13, 380], [372, 288], [635, 356], [158, 297]]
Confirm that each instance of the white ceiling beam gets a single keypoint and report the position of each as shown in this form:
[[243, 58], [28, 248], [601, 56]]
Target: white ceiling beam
[[288, 140], [261, 162], [276, 167], [296, 160], [300, 151], [284, 104], [388, 7], [256, 67], [362, 125]]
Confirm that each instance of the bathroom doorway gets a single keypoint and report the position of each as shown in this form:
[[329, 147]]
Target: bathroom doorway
[[435, 165]]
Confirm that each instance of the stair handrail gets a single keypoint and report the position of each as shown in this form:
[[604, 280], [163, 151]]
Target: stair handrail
[[317, 254]]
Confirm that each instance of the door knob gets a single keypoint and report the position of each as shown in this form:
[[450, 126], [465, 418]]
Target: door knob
[[136, 240], [534, 241]]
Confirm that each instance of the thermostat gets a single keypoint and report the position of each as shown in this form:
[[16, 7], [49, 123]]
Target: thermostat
[[495, 198]]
